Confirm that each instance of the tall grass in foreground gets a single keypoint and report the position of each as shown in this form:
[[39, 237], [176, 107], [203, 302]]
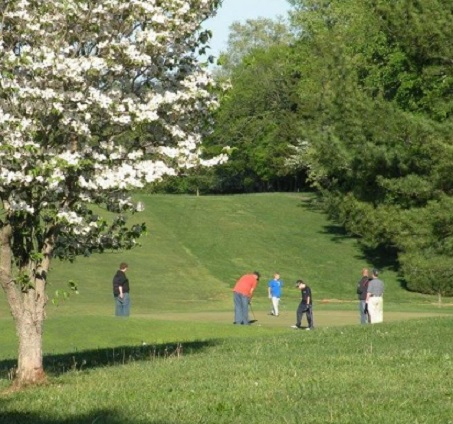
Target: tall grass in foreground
[[390, 373]]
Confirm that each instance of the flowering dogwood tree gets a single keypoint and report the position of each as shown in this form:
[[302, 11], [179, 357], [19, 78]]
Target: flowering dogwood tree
[[97, 98]]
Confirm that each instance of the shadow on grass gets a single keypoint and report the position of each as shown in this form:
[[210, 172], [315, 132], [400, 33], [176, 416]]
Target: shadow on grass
[[310, 203], [337, 232], [100, 416], [58, 364], [380, 257]]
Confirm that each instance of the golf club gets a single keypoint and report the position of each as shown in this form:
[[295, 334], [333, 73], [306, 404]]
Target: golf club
[[251, 310]]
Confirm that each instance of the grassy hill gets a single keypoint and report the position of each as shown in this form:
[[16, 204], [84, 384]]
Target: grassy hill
[[198, 246], [178, 359]]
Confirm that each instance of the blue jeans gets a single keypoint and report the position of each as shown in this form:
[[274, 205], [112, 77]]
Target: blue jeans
[[122, 306], [241, 309], [363, 315]]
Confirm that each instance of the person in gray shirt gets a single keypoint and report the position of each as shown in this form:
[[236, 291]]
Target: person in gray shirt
[[374, 298]]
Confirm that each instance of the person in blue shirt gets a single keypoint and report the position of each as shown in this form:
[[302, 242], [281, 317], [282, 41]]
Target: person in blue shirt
[[274, 289]]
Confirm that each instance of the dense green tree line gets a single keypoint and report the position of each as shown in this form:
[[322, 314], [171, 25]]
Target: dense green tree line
[[379, 146], [258, 115], [355, 99]]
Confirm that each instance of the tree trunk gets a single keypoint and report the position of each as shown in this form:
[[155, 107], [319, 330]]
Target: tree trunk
[[29, 366], [27, 308], [29, 326]]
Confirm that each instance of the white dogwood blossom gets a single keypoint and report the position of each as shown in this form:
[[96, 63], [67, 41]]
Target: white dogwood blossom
[[75, 78], [97, 98]]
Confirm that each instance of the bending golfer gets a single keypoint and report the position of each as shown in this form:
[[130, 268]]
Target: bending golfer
[[305, 306], [242, 295]]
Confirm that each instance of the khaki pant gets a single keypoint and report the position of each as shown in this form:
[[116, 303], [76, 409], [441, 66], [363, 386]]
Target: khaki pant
[[376, 309], [275, 302]]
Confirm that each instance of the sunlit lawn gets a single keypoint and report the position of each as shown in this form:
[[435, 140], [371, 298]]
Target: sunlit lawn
[[179, 358]]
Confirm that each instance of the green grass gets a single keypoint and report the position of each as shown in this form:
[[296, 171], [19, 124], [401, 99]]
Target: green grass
[[390, 373], [197, 247], [179, 359]]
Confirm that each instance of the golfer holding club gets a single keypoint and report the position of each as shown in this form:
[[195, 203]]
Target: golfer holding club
[[242, 296]]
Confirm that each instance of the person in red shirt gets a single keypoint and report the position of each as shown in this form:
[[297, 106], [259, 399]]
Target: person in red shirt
[[242, 295]]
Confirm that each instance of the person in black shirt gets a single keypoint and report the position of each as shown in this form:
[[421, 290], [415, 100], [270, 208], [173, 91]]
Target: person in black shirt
[[121, 292], [305, 306], [362, 288]]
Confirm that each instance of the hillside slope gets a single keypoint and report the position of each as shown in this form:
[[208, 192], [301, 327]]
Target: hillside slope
[[197, 247]]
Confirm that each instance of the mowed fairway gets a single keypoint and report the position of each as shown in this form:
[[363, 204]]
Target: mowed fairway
[[197, 247], [178, 358]]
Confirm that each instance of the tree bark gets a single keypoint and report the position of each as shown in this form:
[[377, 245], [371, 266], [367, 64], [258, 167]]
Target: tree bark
[[27, 308], [30, 361], [29, 328]]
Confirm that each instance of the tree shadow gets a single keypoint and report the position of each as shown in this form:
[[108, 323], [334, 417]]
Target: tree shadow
[[311, 203], [100, 416], [337, 232], [381, 257], [58, 364]]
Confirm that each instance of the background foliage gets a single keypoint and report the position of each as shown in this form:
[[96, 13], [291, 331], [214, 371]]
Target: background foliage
[[354, 101]]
